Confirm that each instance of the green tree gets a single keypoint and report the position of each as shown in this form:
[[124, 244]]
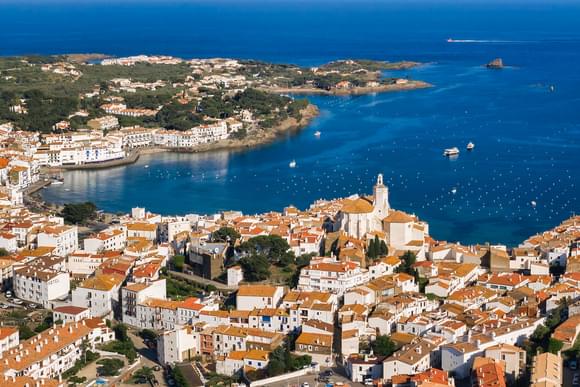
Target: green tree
[[109, 367], [75, 213], [383, 346], [178, 262], [3, 252], [275, 367], [407, 261], [554, 345], [148, 334], [383, 249], [255, 267], [121, 332], [180, 380], [225, 234], [273, 247], [143, 373]]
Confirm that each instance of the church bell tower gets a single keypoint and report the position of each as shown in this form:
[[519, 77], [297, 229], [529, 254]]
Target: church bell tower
[[381, 198]]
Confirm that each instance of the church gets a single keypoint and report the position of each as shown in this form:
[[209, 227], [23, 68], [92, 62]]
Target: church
[[361, 215]]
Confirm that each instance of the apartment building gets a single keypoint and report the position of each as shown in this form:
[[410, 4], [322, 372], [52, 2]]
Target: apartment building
[[63, 238]]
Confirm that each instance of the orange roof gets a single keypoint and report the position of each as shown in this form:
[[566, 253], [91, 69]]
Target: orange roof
[[257, 291], [41, 346], [314, 339], [357, 206], [398, 217], [70, 309], [142, 227], [7, 331], [102, 282]]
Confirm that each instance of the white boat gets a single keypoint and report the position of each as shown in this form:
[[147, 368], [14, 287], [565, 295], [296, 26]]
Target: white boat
[[292, 164], [56, 182], [454, 190], [533, 203], [317, 133], [470, 146], [146, 166], [451, 151]]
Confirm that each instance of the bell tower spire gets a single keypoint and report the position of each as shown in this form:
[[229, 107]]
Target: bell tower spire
[[381, 198]]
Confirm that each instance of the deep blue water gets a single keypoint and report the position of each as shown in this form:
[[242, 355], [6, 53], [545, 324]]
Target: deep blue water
[[527, 138]]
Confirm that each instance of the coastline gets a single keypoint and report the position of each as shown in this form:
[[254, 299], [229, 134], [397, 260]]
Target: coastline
[[410, 85], [263, 137]]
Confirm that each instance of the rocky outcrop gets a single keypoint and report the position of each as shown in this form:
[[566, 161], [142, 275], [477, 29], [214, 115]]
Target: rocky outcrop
[[497, 63]]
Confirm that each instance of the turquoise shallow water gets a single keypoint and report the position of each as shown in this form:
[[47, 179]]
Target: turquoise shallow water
[[527, 138]]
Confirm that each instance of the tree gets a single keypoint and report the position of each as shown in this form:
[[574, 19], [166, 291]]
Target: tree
[[225, 234], [383, 249], [180, 380], [148, 334], [144, 373], [109, 367], [273, 247], [79, 212], [383, 346], [255, 267], [178, 262], [3, 252], [554, 345], [371, 250], [121, 332], [407, 261], [275, 367]]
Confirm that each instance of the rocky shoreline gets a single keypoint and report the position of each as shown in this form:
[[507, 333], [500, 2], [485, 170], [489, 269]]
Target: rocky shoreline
[[256, 138], [410, 85]]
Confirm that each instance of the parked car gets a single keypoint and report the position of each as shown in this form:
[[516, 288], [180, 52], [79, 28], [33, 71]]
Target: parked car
[[576, 379], [8, 294], [573, 364], [18, 301]]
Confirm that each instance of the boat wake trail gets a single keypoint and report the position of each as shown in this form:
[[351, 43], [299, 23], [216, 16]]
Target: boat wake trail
[[483, 41]]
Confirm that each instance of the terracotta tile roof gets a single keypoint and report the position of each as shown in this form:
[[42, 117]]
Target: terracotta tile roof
[[357, 206], [257, 291]]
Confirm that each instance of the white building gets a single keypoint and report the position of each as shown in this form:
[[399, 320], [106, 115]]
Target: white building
[[250, 297], [362, 215], [329, 275], [115, 239], [63, 238], [70, 314], [178, 345], [235, 275], [40, 282], [9, 337], [134, 294], [100, 294], [84, 263], [50, 353]]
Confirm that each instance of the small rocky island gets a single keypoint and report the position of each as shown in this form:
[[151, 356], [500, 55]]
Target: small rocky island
[[495, 64]]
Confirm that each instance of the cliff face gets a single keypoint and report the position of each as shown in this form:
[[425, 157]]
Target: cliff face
[[497, 63]]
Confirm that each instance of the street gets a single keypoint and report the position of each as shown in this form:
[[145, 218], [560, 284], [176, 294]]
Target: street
[[336, 379], [148, 357]]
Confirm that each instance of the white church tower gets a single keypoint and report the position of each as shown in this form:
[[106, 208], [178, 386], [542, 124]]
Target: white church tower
[[381, 198]]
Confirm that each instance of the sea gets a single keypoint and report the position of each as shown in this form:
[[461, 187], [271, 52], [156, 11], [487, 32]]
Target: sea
[[521, 178]]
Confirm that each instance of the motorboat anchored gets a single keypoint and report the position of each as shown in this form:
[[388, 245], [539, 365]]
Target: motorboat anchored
[[292, 164], [451, 151], [470, 146]]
